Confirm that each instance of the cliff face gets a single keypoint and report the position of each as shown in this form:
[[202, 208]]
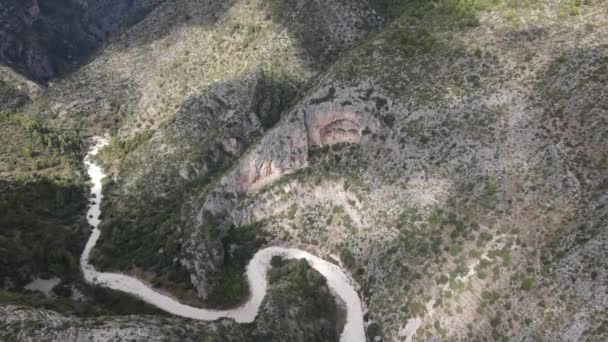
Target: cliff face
[[326, 118], [43, 40]]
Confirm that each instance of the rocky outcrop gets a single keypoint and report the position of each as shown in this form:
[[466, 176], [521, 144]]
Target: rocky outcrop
[[211, 90], [329, 126], [330, 117]]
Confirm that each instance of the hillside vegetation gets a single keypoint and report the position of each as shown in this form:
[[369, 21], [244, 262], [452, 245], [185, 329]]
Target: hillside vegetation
[[452, 154]]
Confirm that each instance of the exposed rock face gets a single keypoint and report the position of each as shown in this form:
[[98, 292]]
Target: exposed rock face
[[332, 115], [580, 275], [44, 39], [329, 126], [329, 117], [285, 150], [52, 326]]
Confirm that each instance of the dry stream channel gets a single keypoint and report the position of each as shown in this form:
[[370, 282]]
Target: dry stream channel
[[337, 280]]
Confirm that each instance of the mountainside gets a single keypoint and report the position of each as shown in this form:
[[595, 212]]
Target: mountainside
[[452, 155], [43, 39]]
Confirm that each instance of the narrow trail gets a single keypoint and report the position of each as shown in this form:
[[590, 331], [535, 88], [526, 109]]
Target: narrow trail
[[337, 280]]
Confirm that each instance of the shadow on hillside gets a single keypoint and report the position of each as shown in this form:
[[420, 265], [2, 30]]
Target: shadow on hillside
[[12, 98], [322, 29], [46, 40], [67, 36], [267, 95], [42, 229], [171, 16]]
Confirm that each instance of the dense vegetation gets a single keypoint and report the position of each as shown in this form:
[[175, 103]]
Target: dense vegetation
[[11, 97], [42, 201], [143, 234], [130, 242], [317, 311], [43, 229], [230, 285], [32, 150]]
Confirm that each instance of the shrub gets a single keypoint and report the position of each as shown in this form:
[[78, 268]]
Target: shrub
[[528, 283], [348, 259]]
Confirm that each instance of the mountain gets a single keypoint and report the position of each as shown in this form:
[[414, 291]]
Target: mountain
[[44, 39], [450, 154]]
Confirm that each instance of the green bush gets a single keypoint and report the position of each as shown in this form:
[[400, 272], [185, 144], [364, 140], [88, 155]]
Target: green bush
[[348, 259], [528, 283], [229, 284]]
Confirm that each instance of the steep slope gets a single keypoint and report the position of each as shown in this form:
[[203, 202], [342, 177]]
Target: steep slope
[[223, 75], [451, 154], [482, 152], [229, 101], [43, 40], [489, 170], [15, 91]]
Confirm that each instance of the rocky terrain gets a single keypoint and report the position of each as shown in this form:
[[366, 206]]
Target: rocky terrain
[[451, 154]]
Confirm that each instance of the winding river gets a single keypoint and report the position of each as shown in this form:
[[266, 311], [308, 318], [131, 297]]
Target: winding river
[[337, 280]]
